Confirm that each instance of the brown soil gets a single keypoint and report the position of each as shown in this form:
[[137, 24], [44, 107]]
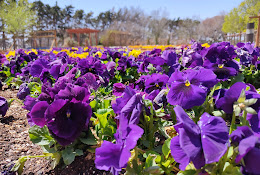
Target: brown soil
[[15, 142]]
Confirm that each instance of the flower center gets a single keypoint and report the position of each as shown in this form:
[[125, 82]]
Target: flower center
[[221, 66], [187, 83], [90, 69], [68, 114], [157, 85], [241, 105]]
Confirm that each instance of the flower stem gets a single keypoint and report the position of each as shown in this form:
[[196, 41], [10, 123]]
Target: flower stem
[[244, 118], [223, 162], [232, 126]]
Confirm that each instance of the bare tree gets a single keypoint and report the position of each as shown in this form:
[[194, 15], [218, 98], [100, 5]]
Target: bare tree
[[211, 29], [158, 24], [188, 30]]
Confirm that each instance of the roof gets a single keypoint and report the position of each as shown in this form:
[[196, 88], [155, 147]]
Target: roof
[[85, 30]]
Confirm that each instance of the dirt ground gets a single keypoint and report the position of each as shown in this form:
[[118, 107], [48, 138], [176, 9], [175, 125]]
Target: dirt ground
[[15, 142]]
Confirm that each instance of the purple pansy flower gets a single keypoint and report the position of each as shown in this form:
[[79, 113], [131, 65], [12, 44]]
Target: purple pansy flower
[[202, 144], [140, 83], [29, 102], [132, 110], [118, 89], [254, 120], [3, 106], [223, 71], [249, 149], [119, 103], [23, 91], [88, 80], [192, 60], [220, 52], [114, 157], [170, 57], [66, 119], [74, 93], [189, 88], [232, 94], [38, 66], [155, 81], [37, 114]]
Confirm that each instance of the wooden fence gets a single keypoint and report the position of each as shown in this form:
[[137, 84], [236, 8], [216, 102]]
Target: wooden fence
[[238, 37]]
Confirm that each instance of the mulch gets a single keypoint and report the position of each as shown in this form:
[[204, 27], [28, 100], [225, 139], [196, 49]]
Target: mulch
[[15, 142]]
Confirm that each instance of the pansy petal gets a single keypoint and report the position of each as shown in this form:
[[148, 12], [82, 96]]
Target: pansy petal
[[178, 154], [191, 145], [183, 118], [214, 136], [66, 119], [252, 160], [205, 77], [245, 146], [134, 133], [241, 133], [37, 113], [121, 102], [186, 96], [108, 155]]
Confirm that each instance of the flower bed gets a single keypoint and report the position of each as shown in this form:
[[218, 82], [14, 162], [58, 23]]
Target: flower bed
[[182, 110]]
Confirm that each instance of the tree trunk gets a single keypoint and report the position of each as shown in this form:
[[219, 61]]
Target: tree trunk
[[169, 40], [14, 42], [4, 45], [23, 42]]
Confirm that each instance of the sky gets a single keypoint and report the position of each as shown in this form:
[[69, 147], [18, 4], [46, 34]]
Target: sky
[[199, 9]]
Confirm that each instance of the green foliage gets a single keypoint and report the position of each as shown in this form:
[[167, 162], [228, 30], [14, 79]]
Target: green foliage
[[166, 147], [237, 18], [17, 16], [234, 22], [90, 140], [18, 167], [69, 154], [40, 136]]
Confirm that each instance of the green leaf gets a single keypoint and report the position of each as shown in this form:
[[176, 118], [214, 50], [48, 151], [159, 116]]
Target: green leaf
[[166, 147], [154, 170], [93, 104], [230, 152], [104, 111], [55, 158], [238, 78], [187, 172], [106, 103], [8, 80], [147, 153], [90, 140], [40, 136], [69, 154], [150, 160], [102, 119], [102, 116], [151, 167], [10, 101], [166, 163], [78, 73], [230, 170], [19, 165]]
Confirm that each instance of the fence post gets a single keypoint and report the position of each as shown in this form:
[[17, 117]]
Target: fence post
[[250, 32]]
